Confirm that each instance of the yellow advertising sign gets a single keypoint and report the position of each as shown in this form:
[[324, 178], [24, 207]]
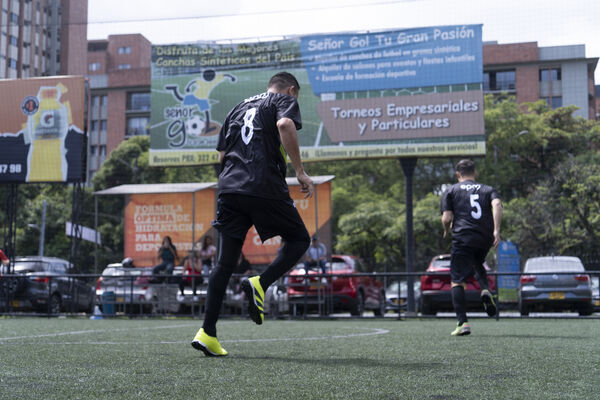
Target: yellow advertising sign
[[41, 129]]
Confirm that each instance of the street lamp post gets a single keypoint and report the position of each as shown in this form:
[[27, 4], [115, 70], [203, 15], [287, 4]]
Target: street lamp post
[[42, 229]]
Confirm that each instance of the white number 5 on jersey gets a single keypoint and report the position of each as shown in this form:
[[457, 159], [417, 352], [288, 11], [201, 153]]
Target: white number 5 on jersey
[[477, 213], [248, 128]]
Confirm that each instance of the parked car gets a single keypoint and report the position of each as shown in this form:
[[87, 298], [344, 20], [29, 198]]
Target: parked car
[[596, 293], [133, 292], [43, 285], [436, 289], [556, 291], [393, 302], [337, 291]]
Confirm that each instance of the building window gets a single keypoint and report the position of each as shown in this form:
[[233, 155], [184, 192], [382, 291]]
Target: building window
[[553, 102], [125, 50], [138, 126], [550, 74], [95, 66], [14, 18], [12, 63], [93, 150], [138, 102], [499, 80], [13, 40], [124, 66]]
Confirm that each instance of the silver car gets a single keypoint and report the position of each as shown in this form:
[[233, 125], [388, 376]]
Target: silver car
[[564, 285], [122, 289]]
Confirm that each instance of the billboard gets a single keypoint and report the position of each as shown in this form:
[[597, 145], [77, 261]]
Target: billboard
[[42, 135], [412, 92], [151, 217]]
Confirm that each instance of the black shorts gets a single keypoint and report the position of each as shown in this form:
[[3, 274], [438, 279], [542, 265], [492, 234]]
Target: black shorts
[[236, 213], [465, 262]]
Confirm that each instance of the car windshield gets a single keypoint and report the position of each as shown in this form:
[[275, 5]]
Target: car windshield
[[441, 263], [553, 265], [338, 265], [28, 266]]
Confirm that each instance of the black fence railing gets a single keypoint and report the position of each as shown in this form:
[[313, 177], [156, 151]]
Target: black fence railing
[[310, 294]]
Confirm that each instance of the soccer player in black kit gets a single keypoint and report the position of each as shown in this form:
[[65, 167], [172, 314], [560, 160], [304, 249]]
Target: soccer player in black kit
[[474, 212], [253, 142]]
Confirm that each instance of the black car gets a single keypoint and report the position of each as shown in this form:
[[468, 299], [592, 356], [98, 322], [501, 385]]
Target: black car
[[43, 284]]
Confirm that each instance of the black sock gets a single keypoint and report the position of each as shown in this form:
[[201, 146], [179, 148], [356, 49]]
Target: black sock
[[460, 303], [481, 276], [229, 252], [288, 256]]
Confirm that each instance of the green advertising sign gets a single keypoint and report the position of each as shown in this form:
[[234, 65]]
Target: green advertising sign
[[413, 92]]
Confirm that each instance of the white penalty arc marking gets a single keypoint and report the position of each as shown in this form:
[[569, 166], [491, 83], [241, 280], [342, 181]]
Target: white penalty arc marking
[[373, 332]]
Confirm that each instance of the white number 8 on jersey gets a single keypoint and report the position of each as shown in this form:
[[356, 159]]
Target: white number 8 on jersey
[[248, 128]]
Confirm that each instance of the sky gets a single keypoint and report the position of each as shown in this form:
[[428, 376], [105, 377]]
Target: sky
[[547, 22]]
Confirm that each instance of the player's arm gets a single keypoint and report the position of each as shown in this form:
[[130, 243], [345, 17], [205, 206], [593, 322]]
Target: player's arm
[[447, 217], [289, 139], [497, 214], [221, 156]]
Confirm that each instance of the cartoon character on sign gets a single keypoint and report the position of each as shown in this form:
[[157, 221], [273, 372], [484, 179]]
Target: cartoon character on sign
[[197, 92], [46, 129]]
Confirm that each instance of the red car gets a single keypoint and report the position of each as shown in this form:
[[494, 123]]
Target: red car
[[353, 293], [435, 289]]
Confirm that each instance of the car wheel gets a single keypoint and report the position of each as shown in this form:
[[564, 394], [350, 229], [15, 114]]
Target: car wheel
[[523, 309], [586, 309], [54, 305], [426, 307], [358, 307], [380, 311]]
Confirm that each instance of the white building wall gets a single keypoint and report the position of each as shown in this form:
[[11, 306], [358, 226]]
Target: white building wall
[[575, 86]]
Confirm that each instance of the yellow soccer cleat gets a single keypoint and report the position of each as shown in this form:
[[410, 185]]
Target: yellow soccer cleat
[[209, 345], [461, 330], [255, 295]]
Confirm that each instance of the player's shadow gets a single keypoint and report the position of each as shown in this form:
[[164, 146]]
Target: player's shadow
[[358, 362]]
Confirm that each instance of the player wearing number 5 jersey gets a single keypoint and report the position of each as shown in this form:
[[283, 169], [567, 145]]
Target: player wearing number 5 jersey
[[474, 212], [253, 143]]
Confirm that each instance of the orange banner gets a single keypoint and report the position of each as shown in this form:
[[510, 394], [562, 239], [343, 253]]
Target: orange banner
[[315, 211], [151, 217]]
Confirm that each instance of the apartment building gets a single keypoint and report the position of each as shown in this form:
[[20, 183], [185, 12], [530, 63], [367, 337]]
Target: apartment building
[[561, 75], [118, 70], [43, 38]]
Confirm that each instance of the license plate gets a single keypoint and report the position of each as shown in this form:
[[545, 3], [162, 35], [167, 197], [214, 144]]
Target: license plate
[[556, 295], [120, 299], [401, 301], [597, 302], [15, 303], [395, 301]]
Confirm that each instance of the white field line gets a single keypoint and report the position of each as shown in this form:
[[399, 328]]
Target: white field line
[[374, 331]]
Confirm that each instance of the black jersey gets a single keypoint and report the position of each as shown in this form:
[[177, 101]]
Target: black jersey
[[471, 203], [254, 161]]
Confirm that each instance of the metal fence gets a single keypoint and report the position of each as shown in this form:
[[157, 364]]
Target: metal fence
[[308, 295]]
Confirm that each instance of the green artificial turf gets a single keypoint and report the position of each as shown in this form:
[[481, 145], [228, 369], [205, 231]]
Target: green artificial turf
[[343, 359]]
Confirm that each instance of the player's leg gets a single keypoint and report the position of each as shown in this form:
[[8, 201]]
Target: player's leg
[[460, 270], [206, 338], [232, 225], [278, 217], [489, 305]]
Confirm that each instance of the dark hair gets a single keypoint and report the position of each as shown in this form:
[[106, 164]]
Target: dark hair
[[283, 80], [204, 244], [465, 167]]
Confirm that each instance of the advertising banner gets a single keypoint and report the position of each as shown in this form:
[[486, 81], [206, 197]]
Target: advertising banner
[[316, 214], [151, 217], [41, 130], [413, 92]]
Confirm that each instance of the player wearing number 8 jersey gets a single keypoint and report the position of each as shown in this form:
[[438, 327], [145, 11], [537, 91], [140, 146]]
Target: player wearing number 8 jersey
[[253, 142], [474, 212]]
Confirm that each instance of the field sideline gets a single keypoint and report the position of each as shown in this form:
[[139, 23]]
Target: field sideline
[[345, 359]]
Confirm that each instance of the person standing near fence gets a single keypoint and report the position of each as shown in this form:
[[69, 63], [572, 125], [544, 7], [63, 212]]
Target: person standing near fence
[[3, 259], [474, 213], [253, 142]]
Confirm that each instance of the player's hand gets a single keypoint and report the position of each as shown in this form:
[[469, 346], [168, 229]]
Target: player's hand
[[306, 184], [496, 239]]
